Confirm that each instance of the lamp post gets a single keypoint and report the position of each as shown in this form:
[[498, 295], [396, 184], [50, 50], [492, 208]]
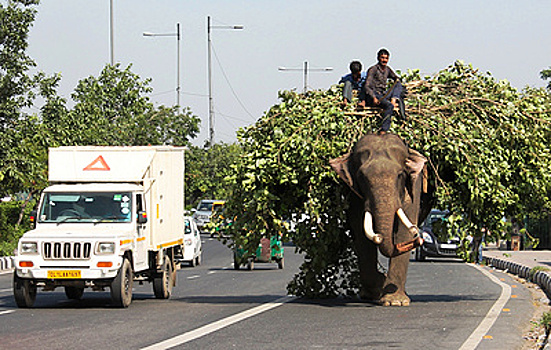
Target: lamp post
[[209, 71], [177, 35], [306, 70], [111, 34]]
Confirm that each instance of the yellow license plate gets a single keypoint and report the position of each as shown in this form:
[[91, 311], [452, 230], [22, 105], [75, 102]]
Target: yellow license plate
[[59, 274]]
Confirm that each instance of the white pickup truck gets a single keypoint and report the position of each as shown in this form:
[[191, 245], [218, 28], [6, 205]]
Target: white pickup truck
[[111, 216]]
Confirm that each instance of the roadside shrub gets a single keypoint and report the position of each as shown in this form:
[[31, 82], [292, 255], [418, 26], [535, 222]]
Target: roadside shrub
[[10, 232]]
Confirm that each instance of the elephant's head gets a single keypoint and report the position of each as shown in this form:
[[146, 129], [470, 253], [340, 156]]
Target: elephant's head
[[387, 176]]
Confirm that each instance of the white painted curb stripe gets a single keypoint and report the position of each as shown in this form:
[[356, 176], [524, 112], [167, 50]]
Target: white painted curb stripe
[[6, 312], [213, 327], [492, 315]]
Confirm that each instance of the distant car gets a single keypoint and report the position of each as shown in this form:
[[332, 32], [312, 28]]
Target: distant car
[[193, 249], [432, 246], [204, 210]]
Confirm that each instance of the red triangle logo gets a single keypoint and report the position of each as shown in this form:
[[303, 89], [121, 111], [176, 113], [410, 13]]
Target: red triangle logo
[[98, 164]]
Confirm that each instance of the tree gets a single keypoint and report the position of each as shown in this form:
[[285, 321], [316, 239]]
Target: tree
[[545, 75], [16, 88], [486, 142], [206, 170], [114, 109]]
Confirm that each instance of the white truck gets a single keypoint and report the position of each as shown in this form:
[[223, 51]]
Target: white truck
[[111, 216]]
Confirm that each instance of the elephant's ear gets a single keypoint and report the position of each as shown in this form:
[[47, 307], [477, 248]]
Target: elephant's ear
[[340, 166], [415, 163]]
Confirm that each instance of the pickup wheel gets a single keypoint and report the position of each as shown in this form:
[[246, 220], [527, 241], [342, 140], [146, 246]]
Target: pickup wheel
[[163, 281], [74, 293], [121, 287], [24, 292], [280, 263]]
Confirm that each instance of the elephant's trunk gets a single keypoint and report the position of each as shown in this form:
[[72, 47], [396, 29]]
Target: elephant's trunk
[[388, 247]]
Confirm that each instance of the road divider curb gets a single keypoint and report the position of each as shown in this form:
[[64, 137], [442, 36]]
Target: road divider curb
[[539, 277]]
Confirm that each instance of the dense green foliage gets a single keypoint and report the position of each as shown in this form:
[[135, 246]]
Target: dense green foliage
[[10, 231], [486, 142], [546, 75], [206, 169], [111, 109]]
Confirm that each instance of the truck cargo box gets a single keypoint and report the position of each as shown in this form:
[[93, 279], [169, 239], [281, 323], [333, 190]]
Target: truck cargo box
[[158, 169]]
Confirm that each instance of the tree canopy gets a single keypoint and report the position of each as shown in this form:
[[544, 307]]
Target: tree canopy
[[113, 108], [486, 142], [206, 170]]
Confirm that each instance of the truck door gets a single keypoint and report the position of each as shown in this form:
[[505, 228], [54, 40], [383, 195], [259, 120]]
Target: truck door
[[141, 236]]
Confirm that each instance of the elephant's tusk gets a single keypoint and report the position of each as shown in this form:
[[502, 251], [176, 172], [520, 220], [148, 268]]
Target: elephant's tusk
[[411, 227], [368, 229]]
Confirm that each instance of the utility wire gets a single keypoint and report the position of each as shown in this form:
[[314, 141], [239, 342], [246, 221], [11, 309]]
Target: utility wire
[[229, 84]]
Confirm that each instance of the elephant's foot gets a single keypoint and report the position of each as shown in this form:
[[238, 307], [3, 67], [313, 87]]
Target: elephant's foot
[[395, 299]]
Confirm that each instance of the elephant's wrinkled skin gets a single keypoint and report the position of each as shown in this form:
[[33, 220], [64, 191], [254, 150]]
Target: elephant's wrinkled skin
[[385, 175]]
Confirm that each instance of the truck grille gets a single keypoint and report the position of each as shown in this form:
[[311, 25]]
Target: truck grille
[[67, 250]]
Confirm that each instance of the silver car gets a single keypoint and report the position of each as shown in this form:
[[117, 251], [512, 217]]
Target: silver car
[[202, 214]]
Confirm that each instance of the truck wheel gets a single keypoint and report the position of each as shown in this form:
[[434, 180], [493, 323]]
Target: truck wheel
[[250, 265], [162, 282], [74, 293], [280, 263], [24, 292], [121, 287]]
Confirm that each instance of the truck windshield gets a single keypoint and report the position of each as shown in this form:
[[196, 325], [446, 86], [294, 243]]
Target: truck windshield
[[86, 207]]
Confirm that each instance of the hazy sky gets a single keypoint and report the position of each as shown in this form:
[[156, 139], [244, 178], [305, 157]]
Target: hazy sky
[[510, 39]]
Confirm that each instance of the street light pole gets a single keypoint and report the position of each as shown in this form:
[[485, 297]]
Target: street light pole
[[178, 40], [111, 35], [306, 70], [209, 73]]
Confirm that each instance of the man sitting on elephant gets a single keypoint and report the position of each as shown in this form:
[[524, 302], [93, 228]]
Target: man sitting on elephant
[[375, 89], [355, 80]]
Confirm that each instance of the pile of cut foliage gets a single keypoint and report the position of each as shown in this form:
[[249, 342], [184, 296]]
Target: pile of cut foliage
[[486, 142]]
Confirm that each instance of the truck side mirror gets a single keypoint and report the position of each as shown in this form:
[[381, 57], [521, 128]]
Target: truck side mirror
[[142, 217]]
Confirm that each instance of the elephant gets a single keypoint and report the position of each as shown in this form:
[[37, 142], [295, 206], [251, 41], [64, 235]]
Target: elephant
[[386, 179]]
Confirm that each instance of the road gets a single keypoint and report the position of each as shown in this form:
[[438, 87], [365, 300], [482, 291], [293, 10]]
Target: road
[[211, 309]]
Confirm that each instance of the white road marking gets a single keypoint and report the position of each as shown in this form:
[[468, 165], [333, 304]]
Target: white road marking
[[215, 326], [193, 277], [6, 272], [5, 290], [492, 315], [211, 272], [6, 312]]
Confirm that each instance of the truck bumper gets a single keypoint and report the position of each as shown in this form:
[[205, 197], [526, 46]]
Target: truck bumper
[[62, 270]]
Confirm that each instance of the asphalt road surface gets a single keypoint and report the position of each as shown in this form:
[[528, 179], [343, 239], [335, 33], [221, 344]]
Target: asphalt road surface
[[454, 306]]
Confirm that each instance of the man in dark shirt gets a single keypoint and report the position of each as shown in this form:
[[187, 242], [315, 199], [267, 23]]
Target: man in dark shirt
[[355, 80], [376, 85]]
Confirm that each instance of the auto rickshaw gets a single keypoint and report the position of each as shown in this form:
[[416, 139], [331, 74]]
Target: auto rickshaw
[[269, 250]]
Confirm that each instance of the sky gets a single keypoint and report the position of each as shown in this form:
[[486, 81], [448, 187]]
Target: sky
[[510, 39]]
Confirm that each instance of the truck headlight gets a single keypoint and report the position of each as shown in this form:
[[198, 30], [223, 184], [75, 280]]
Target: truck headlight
[[29, 248], [105, 248]]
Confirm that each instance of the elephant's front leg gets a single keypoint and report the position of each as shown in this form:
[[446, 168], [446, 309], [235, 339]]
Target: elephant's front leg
[[394, 290], [371, 280]]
